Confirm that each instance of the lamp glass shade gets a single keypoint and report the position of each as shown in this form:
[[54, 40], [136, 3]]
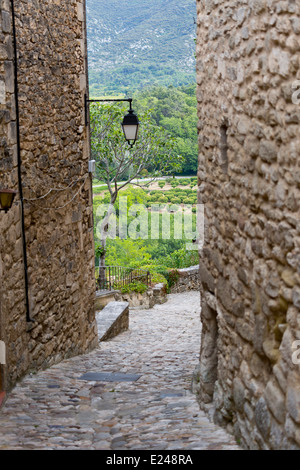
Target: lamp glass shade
[[130, 127], [130, 132], [6, 198]]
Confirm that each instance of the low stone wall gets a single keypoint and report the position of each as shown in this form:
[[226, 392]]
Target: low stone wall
[[188, 280], [102, 298], [112, 320], [154, 295]]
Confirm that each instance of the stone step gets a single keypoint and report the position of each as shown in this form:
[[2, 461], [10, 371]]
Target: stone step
[[112, 320], [103, 297]]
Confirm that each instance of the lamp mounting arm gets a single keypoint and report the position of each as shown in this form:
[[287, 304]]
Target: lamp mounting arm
[[130, 122], [103, 100]]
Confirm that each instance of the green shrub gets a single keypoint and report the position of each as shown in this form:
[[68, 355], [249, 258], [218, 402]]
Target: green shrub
[[189, 192], [161, 184], [172, 276], [170, 197], [179, 259], [176, 200], [144, 172], [97, 200], [152, 198], [156, 275], [157, 278], [187, 200], [101, 188], [133, 287], [155, 192]]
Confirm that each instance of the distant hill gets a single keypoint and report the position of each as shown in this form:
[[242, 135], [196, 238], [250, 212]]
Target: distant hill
[[137, 43]]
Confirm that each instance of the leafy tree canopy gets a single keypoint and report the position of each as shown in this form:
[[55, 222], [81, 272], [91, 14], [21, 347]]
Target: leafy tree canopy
[[115, 161], [175, 110]]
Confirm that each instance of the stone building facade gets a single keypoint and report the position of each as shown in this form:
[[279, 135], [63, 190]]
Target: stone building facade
[[46, 240], [248, 65]]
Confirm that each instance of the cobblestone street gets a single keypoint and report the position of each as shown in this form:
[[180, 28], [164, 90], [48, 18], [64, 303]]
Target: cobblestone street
[[149, 407]]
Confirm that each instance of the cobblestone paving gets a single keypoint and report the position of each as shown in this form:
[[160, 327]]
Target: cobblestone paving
[[55, 409]]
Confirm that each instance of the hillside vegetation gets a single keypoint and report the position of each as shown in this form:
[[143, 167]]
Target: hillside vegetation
[[145, 50], [132, 45], [163, 253]]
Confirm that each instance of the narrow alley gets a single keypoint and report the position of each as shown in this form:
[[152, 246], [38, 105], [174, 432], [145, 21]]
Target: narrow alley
[[140, 399]]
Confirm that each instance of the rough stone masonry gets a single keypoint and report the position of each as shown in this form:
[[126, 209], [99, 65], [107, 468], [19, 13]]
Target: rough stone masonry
[[248, 54], [54, 153]]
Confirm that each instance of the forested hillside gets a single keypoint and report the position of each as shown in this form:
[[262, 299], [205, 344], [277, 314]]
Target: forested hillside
[[138, 43]]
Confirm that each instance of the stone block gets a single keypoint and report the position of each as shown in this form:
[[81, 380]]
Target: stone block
[[293, 398], [275, 400], [206, 278], [268, 151], [112, 320], [6, 21], [102, 298], [262, 418], [296, 297], [224, 293], [245, 329], [2, 92], [239, 394]]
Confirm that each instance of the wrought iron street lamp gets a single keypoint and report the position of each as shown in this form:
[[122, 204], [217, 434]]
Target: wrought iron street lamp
[[130, 124], [6, 199]]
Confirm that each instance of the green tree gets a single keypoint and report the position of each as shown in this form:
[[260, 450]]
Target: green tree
[[127, 253], [115, 161], [175, 109]]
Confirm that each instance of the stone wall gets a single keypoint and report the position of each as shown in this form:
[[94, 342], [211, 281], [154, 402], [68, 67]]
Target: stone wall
[[249, 177], [54, 152], [12, 301], [188, 279], [153, 296]]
